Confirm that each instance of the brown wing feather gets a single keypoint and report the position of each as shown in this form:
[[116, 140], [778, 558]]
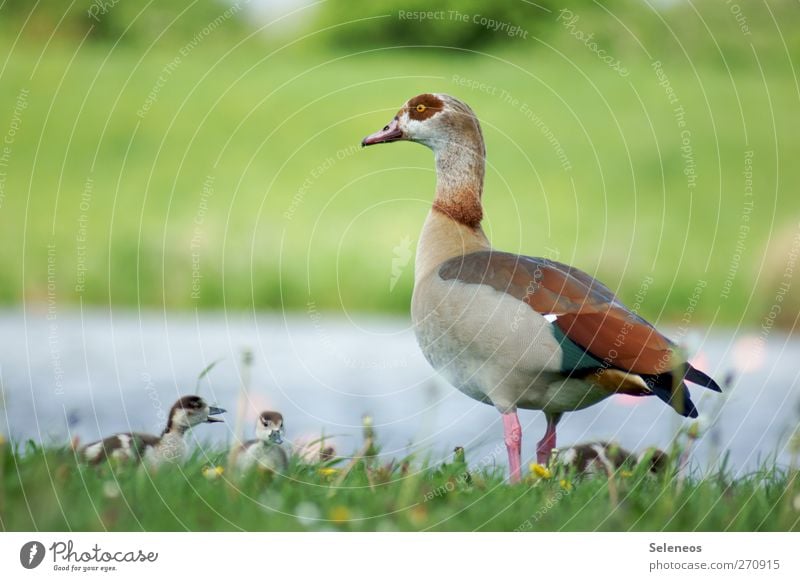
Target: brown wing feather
[[588, 313]]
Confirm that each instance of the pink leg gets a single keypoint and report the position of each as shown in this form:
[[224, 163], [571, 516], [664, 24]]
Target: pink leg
[[545, 446], [513, 436]]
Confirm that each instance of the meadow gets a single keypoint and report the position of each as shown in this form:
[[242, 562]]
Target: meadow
[[47, 490], [235, 179]]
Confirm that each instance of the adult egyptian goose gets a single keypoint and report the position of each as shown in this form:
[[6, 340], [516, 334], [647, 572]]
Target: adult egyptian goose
[[265, 451], [516, 331], [170, 446]]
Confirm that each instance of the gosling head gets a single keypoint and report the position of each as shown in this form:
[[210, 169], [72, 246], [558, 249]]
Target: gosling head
[[190, 411], [269, 427]]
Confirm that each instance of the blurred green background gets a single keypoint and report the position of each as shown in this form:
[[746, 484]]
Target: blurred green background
[[205, 154]]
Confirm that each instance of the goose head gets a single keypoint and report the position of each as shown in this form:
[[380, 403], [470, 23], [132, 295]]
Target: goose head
[[269, 427], [450, 128], [435, 120]]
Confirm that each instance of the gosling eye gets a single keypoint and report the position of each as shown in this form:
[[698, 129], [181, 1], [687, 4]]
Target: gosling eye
[[420, 108]]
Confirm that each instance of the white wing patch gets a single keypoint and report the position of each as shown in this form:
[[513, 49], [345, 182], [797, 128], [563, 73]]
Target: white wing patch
[[603, 458], [550, 318], [92, 452], [568, 457], [125, 442]]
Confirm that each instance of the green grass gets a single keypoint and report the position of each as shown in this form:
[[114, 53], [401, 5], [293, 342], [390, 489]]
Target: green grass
[[265, 128], [44, 489]]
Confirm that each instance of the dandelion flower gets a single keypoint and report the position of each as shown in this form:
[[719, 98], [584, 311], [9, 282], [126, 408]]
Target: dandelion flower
[[418, 515], [565, 484], [339, 514], [328, 471], [212, 472], [694, 430], [541, 471], [625, 473]]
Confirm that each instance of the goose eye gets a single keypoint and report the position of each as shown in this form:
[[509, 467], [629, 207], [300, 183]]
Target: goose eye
[[420, 107]]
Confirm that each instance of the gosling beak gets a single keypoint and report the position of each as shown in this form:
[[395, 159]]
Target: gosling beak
[[276, 437], [391, 132], [213, 411]]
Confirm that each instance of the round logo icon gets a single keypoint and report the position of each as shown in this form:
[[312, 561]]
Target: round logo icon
[[31, 554]]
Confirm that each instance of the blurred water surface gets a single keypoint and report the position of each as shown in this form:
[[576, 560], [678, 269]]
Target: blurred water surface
[[97, 372]]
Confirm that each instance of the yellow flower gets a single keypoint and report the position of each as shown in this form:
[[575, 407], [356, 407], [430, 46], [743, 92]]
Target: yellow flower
[[693, 431], [418, 515], [212, 472], [625, 473], [328, 471], [541, 471], [565, 484], [2, 440], [339, 514]]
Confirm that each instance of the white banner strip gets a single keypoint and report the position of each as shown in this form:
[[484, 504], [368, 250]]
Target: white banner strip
[[399, 556]]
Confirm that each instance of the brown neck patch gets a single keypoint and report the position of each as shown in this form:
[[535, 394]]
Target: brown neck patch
[[465, 209]]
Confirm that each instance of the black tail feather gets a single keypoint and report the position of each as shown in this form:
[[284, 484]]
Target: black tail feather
[[696, 376], [676, 396]]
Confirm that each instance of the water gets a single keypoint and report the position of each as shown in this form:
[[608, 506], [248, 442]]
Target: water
[[95, 373]]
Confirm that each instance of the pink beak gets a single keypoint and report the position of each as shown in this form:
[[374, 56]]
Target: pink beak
[[389, 133]]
